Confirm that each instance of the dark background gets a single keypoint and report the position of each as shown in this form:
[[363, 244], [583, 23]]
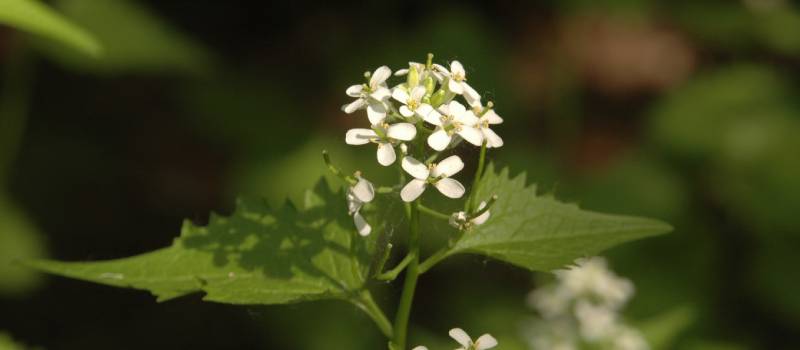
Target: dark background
[[685, 111]]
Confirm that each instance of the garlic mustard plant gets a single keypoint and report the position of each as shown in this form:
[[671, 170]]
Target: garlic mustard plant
[[426, 121]]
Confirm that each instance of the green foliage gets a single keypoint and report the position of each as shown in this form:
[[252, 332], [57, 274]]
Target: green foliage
[[133, 38], [539, 233], [663, 330], [35, 17], [19, 240], [8, 343], [255, 256]]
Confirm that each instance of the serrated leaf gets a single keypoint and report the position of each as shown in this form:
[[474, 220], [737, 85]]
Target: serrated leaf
[[35, 17], [541, 233], [255, 256]]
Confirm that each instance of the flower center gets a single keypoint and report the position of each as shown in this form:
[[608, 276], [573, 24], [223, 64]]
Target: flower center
[[412, 104]]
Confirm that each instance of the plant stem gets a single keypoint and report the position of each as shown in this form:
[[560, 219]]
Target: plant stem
[[392, 274], [469, 206], [433, 213], [433, 259], [410, 283], [366, 303]]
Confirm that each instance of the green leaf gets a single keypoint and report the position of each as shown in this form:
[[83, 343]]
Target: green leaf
[[540, 233], [663, 330], [134, 39], [7, 342], [19, 239], [255, 256], [34, 17]]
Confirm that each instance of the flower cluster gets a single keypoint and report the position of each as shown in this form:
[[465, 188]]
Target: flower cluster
[[483, 342], [582, 310], [430, 112]]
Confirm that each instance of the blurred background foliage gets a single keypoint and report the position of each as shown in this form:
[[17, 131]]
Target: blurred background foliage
[[134, 114]]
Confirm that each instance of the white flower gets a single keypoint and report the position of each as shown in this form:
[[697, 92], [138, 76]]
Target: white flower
[[488, 117], [437, 174], [484, 342], [454, 119], [420, 347], [591, 277], [551, 301], [595, 322], [457, 82], [460, 220], [362, 192], [372, 96], [384, 135], [412, 103], [629, 339]]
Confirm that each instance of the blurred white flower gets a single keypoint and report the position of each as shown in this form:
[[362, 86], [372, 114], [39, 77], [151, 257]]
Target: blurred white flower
[[420, 347], [357, 195], [591, 277], [454, 119], [372, 96], [436, 174], [595, 322], [457, 82], [385, 136], [461, 221], [484, 342], [629, 339]]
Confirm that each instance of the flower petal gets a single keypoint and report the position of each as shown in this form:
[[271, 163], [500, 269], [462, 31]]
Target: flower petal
[[460, 336], [457, 69], [416, 168], [400, 72], [406, 112], [492, 139], [467, 118], [402, 131], [376, 112], [471, 134], [420, 347], [439, 139], [486, 341], [381, 93], [429, 114], [454, 86], [362, 226], [386, 155], [412, 190], [363, 190], [472, 96], [359, 136], [379, 76], [400, 95], [455, 108], [441, 69], [480, 219], [492, 117], [354, 106], [418, 92], [450, 187], [448, 166], [354, 90]]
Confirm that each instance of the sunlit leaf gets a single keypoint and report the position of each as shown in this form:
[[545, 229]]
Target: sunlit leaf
[[133, 38], [540, 233], [255, 256], [35, 17]]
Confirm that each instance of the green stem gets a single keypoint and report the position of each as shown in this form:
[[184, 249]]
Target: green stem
[[469, 206], [433, 259], [392, 274], [410, 283], [433, 213], [14, 104], [366, 303]]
